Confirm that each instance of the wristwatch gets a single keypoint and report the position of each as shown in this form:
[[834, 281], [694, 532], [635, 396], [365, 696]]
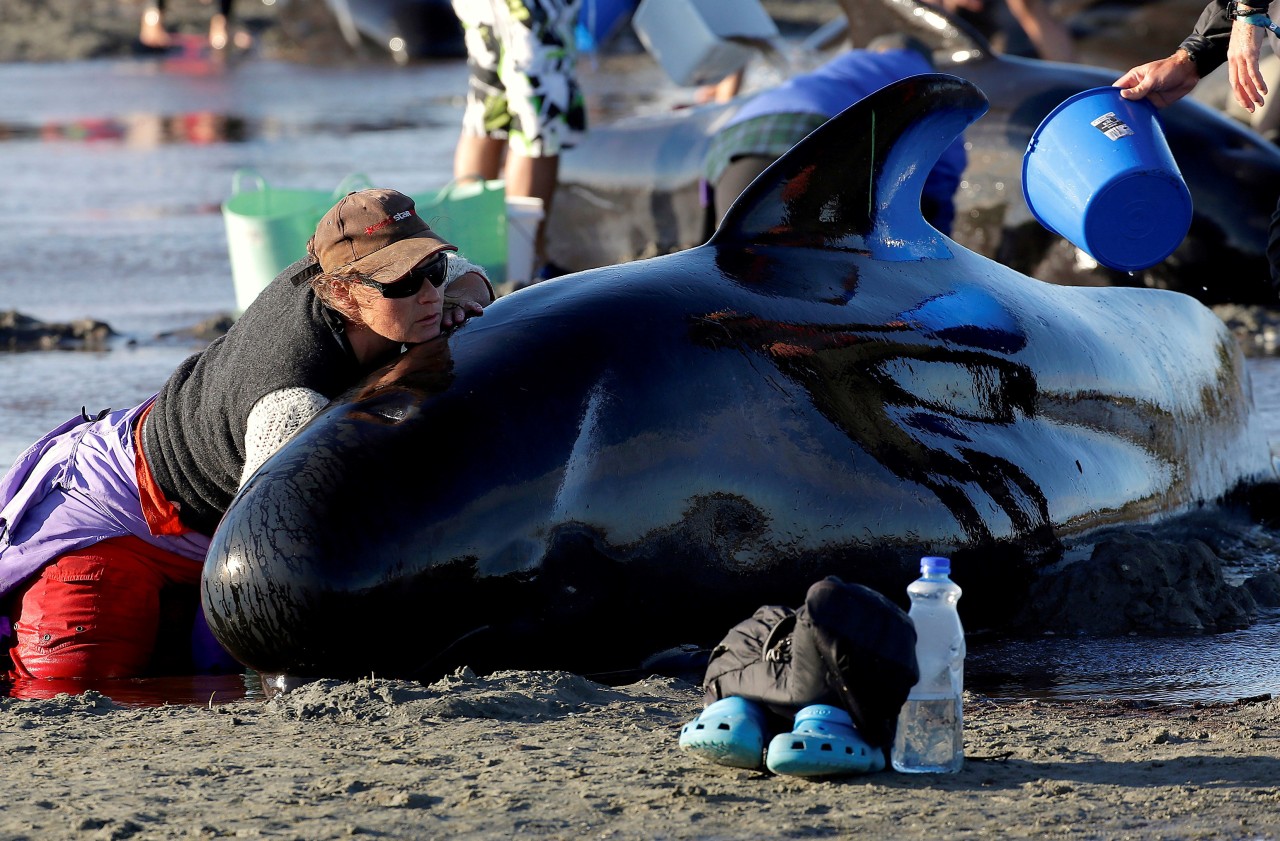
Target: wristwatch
[[1236, 9]]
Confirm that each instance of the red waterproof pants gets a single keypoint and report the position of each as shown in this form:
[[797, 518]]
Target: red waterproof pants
[[120, 608]]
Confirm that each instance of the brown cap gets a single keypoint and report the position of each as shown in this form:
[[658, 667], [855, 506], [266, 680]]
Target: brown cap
[[376, 232]]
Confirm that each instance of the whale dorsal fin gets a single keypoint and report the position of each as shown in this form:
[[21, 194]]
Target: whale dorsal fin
[[855, 182]]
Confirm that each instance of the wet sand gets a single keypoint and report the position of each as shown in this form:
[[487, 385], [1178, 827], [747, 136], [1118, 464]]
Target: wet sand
[[551, 755]]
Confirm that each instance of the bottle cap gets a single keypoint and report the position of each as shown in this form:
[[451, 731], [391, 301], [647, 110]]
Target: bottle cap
[[932, 565]]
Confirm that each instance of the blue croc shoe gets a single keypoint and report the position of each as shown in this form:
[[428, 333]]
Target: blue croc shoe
[[728, 732], [822, 743]]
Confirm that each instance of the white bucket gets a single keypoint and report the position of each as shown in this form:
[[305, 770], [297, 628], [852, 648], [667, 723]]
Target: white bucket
[[699, 42], [524, 214]]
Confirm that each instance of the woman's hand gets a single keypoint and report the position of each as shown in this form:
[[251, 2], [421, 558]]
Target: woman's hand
[[464, 298], [1242, 64]]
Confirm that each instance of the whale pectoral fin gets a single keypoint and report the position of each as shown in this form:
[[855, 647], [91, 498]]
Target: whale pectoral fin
[[854, 184]]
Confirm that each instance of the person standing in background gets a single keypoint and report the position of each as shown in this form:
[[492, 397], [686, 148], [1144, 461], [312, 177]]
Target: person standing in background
[[154, 34], [524, 105]]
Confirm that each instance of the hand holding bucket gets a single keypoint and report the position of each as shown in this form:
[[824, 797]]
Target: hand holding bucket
[[1098, 172]]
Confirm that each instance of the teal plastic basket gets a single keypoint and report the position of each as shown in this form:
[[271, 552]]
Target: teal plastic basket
[[268, 227]]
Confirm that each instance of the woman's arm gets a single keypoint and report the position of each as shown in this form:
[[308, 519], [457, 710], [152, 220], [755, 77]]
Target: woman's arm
[[273, 420], [467, 291]]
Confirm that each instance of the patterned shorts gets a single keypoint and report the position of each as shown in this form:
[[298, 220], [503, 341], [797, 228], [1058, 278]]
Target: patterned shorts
[[523, 88], [771, 135]]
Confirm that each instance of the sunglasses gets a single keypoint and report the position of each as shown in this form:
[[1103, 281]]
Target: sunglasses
[[433, 272]]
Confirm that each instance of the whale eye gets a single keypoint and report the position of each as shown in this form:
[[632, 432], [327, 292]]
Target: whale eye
[[393, 407], [392, 413]]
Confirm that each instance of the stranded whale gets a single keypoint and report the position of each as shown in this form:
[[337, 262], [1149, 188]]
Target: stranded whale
[[636, 457]]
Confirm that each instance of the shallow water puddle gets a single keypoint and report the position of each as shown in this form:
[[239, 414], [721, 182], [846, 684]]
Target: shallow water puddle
[[140, 131], [1168, 670], [1216, 667], [187, 690]]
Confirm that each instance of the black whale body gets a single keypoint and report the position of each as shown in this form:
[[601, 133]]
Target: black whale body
[[637, 457], [605, 214], [407, 29]]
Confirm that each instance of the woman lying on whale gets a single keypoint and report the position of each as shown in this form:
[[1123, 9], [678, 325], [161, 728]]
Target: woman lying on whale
[[105, 521]]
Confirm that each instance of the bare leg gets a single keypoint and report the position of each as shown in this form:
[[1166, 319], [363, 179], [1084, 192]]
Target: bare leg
[[724, 90], [218, 31], [1050, 36], [478, 157], [534, 177], [736, 178], [221, 29], [153, 33]]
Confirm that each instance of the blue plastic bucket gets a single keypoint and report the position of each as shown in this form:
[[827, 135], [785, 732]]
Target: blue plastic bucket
[[600, 20], [1098, 172]]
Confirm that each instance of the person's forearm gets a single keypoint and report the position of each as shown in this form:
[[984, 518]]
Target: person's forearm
[[1207, 43], [462, 269], [471, 286]]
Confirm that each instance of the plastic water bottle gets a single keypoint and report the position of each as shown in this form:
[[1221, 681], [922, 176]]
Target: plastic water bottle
[[930, 737]]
